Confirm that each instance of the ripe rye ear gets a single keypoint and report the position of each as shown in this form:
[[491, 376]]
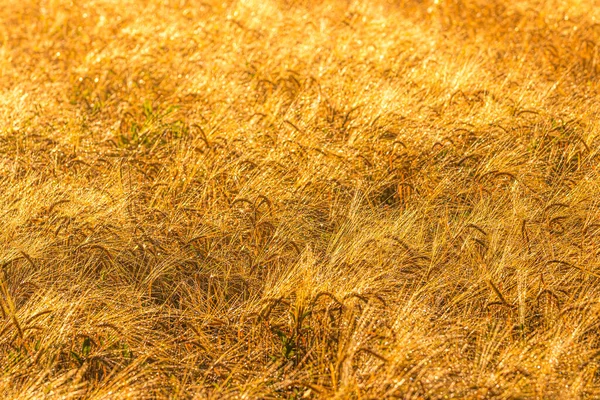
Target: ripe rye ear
[[499, 295]]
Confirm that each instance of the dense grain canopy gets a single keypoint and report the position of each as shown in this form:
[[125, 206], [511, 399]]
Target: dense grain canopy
[[299, 199]]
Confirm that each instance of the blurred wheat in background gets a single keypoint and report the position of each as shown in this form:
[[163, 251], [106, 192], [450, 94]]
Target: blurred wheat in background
[[299, 199]]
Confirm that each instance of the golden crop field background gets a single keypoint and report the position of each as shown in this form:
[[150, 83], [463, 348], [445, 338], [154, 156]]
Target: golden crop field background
[[270, 199]]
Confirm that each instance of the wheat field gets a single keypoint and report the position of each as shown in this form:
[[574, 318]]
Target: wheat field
[[271, 199]]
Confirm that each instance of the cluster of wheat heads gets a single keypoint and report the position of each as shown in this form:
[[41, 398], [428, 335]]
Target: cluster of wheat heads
[[295, 199]]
